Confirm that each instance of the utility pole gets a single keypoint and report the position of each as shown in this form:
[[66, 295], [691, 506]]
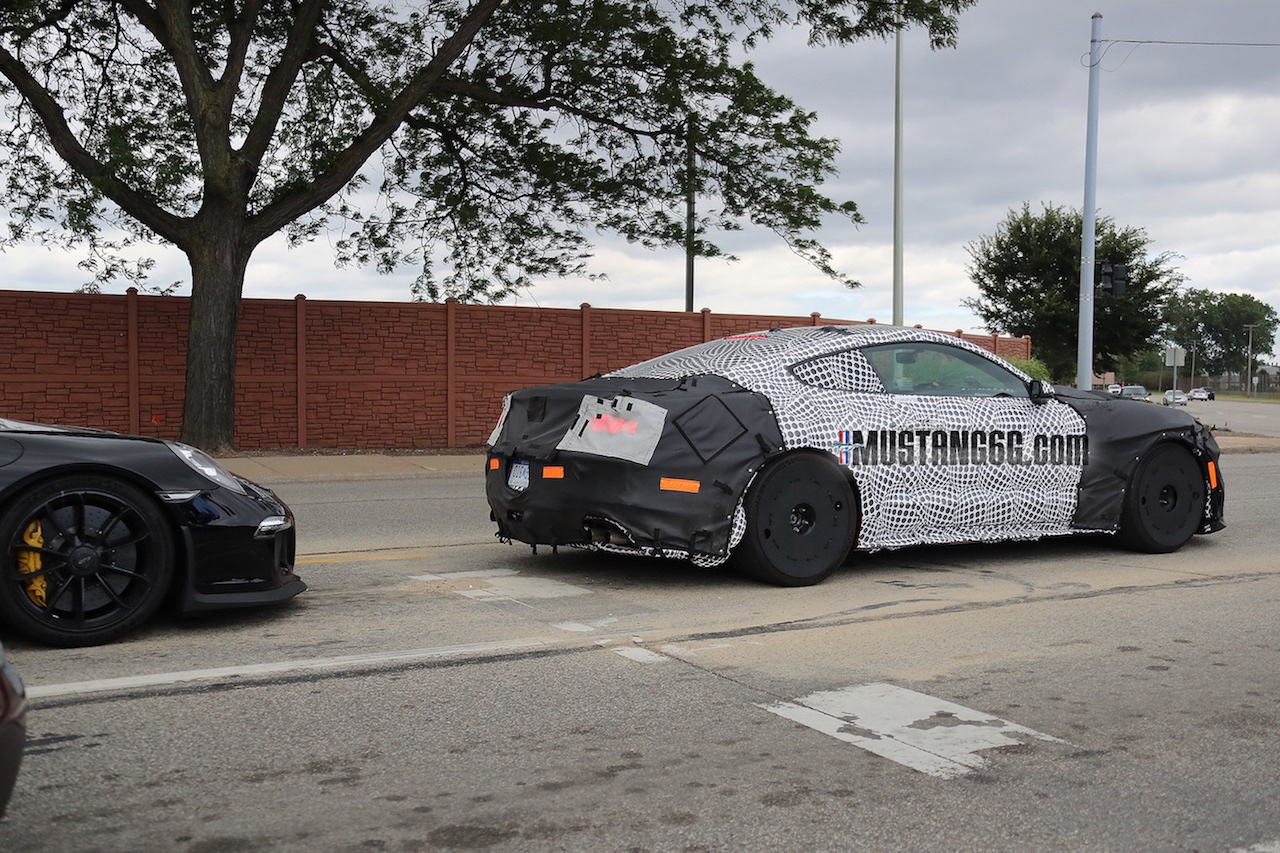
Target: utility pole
[[1248, 362], [897, 179], [690, 165], [1084, 347]]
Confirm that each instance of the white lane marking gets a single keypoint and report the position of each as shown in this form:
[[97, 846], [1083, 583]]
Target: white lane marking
[[641, 655], [926, 734], [164, 679], [1264, 847], [585, 627], [507, 585], [475, 573], [680, 651]]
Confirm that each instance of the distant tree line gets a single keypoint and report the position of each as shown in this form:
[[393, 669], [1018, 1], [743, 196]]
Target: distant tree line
[[1028, 279]]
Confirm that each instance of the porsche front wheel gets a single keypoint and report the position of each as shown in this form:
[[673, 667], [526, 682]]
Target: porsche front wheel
[[1164, 505], [86, 559], [801, 521]]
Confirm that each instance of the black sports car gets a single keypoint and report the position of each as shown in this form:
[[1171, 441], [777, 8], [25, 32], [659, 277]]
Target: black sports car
[[98, 529], [786, 448]]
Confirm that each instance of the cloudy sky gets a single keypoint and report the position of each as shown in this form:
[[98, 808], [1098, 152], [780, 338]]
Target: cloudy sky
[[1189, 149]]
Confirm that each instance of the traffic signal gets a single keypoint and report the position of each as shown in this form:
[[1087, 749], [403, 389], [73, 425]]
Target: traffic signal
[[1112, 278]]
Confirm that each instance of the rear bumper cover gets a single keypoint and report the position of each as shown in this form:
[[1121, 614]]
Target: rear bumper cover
[[655, 466]]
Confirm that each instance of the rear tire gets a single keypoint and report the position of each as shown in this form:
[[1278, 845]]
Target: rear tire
[[801, 522], [85, 560], [1164, 505]]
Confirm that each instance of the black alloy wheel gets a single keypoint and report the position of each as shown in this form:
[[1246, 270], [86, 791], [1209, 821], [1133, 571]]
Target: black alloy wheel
[[802, 519], [1164, 505], [86, 559]]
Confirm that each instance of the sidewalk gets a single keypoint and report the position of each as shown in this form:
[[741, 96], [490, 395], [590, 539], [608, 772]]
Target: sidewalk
[[305, 468]]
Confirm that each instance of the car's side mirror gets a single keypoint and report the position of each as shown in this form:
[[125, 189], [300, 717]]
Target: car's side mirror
[[1039, 392]]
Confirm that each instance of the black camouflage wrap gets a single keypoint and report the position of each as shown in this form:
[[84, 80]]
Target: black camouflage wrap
[[1120, 431], [715, 433]]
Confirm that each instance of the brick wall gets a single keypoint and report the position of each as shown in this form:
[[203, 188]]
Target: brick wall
[[329, 373]]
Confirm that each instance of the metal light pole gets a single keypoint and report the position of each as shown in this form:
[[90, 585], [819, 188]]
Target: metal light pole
[[1084, 348], [1248, 362], [897, 180], [689, 217]]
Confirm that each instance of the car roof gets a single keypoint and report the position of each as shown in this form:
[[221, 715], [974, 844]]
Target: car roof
[[772, 350]]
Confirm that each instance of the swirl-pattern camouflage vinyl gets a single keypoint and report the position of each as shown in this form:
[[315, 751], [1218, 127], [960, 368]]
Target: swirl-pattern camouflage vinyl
[[928, 469]]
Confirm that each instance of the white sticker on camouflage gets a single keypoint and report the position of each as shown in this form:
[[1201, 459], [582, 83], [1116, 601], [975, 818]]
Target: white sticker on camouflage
[[621, 428]]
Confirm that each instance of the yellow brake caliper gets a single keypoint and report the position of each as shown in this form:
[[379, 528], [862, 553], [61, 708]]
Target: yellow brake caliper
[[29, 561]]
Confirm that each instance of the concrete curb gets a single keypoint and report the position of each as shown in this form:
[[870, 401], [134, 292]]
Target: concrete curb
[[298, 468]]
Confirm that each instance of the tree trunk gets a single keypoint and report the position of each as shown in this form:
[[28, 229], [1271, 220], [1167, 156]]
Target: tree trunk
[[218, 261]]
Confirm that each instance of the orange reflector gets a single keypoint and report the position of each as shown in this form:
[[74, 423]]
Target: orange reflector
[[493, 464], [1213, 476], [553, 472], [671, 484]]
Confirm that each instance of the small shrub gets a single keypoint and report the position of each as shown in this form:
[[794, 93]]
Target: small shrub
[[1033, 367]]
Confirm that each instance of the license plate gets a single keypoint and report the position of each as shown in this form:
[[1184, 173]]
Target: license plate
[[518, 476]]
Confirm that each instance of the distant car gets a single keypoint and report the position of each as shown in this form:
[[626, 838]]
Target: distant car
[[1134, 392], [783, 450], [1174, 397], [13, 728], [97, 529], [1201, 394], [1114, 389]]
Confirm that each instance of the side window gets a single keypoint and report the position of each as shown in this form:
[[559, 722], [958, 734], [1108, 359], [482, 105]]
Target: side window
[[941, 370], [841, 371]]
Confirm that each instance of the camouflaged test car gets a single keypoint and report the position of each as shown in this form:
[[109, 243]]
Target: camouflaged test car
[[787, 448]]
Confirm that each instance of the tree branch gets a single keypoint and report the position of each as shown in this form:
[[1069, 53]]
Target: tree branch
[[294, 204], [280, 81], [137, 204]]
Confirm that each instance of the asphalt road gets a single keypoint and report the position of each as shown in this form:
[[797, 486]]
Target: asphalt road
[[436, 690], [1255, 418]]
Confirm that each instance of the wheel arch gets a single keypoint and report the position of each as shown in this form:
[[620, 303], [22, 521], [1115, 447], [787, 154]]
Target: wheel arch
[[36, 479], [1147, 524], [845, 471]]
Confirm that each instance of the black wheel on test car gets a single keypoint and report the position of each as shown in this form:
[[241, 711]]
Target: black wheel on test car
[[1164, 505], [801, 521], [85, 560]]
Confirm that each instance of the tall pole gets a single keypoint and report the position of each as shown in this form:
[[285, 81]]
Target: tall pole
[[897, 179], [690, 165], [1248, 362], [1084, 350]]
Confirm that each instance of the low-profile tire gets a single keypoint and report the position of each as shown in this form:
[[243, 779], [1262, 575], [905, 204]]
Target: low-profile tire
[[801, 521], [1164, 505], [86, 560]]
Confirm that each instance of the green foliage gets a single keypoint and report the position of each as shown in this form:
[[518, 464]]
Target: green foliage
[[1028, 275], [481, 143], [1216, 327], [490, 169], [1033, 367]]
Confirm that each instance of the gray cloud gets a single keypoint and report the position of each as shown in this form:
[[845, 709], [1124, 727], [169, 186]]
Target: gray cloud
[[1189, 149]]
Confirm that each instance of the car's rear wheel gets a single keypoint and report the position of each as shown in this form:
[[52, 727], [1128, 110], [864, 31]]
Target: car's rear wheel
[[801, 521], [1164, 505], [86, 559]]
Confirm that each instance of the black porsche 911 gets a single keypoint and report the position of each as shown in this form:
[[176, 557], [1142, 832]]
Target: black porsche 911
[[785, 449], [99, 530]]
